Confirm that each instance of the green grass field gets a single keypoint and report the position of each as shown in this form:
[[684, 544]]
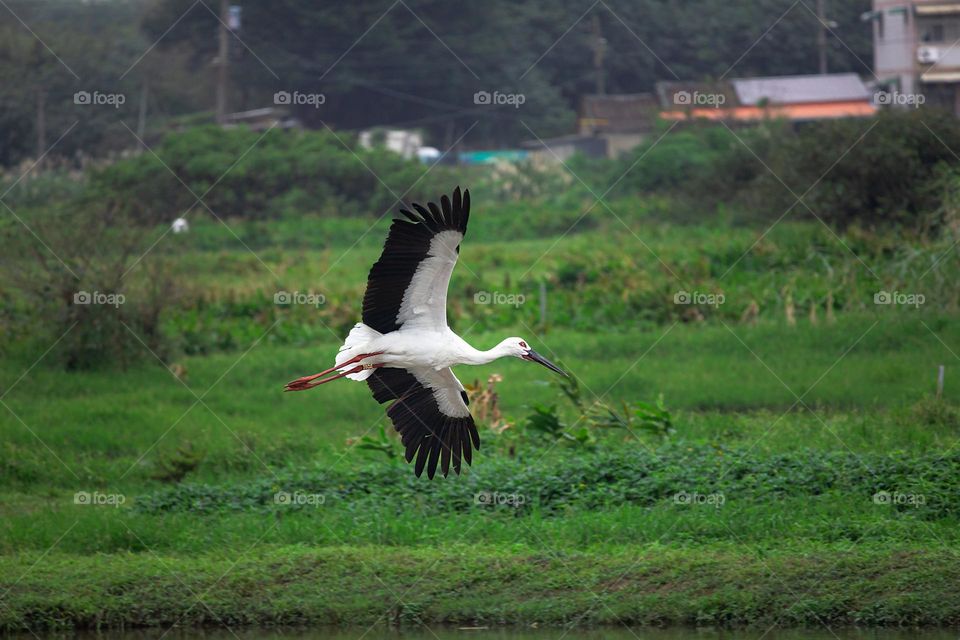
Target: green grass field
[[857, 381], [784, 434]]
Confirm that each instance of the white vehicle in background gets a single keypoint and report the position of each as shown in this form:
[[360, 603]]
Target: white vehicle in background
[[428, 155]]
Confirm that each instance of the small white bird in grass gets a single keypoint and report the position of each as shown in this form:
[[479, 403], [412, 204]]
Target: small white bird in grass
[[404, 348]]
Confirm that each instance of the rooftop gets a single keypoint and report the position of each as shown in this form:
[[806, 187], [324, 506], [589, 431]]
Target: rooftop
[[830, 87]]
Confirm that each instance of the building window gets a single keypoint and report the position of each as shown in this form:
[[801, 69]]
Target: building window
[[880, 26], [932, 33]]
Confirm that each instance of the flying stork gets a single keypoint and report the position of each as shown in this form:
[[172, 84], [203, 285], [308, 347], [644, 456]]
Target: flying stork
[[404, 349]]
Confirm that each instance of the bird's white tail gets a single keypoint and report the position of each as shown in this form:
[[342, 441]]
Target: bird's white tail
[[357, 342]]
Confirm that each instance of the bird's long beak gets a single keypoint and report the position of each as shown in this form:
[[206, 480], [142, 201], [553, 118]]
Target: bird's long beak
[[536, 357]]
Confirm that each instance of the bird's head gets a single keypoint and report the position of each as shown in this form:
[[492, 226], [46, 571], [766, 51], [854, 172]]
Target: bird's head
[[518, 348]]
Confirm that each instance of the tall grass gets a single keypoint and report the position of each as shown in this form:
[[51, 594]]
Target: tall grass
[[858, 380]]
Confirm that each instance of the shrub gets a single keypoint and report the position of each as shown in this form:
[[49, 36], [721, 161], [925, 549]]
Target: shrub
[[244, 173], [707, 162], [592, 478], [899, 169], [874, 172], [71, 280]]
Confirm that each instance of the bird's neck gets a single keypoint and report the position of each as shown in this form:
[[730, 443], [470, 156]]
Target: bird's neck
[[476, 356]]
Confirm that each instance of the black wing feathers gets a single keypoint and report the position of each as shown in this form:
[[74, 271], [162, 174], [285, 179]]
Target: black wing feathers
[[425, 431], [389, 384], [407, 245]]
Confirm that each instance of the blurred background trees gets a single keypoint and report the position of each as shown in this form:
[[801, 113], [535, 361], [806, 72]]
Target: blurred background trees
[[98, 218], [163, 53]]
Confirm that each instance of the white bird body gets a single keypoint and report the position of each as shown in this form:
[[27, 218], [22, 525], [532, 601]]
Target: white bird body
[[420, 348], [404, 348]]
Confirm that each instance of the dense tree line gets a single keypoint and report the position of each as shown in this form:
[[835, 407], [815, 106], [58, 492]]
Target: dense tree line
[[411, 63]]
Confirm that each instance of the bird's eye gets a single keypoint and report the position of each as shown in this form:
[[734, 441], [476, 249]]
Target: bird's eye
[[523, 344]]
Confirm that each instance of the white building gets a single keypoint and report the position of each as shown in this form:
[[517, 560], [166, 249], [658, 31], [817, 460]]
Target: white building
[[915, 52], [403, 141]]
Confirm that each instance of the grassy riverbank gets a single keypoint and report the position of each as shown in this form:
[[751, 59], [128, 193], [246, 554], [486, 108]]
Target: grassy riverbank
[[679, 533], [292, 585]]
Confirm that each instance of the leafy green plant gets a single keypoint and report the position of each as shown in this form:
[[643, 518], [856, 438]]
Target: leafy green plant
[[381, 443], [174, 467], [570, 389], [652, 418], [639, 416], [935, 411], [589, 478], [546, 421]]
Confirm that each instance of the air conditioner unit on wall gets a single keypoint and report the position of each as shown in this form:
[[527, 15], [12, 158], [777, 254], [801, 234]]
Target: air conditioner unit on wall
[[928, 55]]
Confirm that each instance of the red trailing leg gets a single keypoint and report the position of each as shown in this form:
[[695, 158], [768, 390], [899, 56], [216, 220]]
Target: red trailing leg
[[306, 382]]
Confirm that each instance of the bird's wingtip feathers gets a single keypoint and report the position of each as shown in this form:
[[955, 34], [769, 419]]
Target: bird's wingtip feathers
[[453, 212]]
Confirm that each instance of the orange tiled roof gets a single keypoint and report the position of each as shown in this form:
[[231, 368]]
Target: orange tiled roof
[[806, 111]]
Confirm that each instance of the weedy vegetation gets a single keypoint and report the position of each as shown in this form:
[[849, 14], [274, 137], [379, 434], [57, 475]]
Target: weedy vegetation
[[753, 410]]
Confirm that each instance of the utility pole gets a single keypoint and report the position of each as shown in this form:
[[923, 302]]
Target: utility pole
[[223, 61], [599, 47], [39, 72], [41, 124], [822, 35], [142, 112]]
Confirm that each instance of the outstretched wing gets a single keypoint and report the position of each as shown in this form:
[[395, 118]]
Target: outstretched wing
[[430, 412], [408, 284]]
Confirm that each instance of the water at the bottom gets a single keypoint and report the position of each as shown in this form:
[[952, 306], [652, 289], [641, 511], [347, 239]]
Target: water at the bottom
[[481, 633]]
